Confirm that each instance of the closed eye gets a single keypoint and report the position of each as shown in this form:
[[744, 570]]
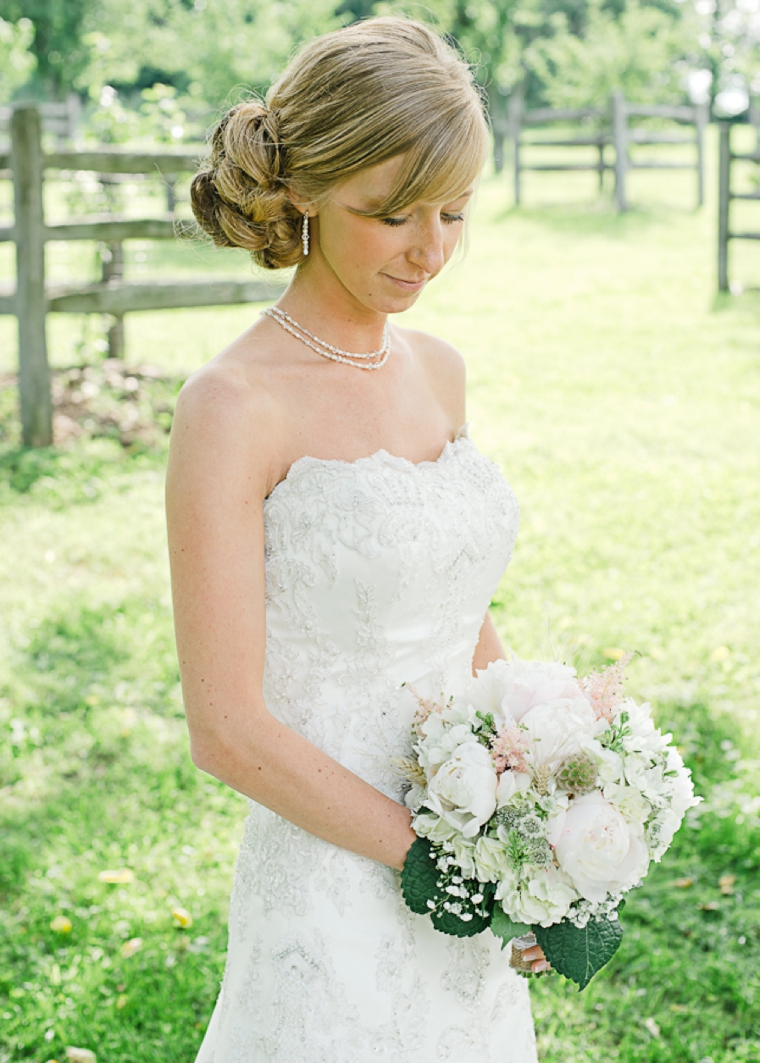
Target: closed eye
[[448, 219]]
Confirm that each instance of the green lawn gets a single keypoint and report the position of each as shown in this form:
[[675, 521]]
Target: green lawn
[[622, 399]]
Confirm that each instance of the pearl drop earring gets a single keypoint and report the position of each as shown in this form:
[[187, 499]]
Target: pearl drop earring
[[305, 234]]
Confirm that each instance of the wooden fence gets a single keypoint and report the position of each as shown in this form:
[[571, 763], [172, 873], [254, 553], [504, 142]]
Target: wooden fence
[[32, 299], [60, 119], [611, 132], [726, 195]]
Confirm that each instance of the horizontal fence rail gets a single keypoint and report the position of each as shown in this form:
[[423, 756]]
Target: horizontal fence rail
[[32, 299], [612, 134]]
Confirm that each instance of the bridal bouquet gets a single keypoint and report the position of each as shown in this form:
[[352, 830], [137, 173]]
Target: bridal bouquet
[[539, 800]]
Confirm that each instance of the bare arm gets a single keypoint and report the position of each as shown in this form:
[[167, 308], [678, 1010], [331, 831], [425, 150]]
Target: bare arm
[[489, 647], [220, 467]]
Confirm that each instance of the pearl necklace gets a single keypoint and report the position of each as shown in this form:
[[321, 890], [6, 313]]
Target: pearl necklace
[[284, 320]]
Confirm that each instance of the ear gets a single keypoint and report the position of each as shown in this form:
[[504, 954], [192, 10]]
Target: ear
[[301, 205]]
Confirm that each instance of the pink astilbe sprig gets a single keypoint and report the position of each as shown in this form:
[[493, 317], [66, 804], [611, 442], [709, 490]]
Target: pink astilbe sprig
[[425, 708], [508, 749], [605, 689]]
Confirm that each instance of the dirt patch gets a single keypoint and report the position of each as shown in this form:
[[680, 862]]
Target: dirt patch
[[133, 404]]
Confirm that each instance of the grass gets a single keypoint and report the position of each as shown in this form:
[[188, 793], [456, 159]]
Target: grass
[[621, 398]]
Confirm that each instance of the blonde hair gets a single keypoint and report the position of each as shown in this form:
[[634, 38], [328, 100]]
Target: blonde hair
[[350, 100]]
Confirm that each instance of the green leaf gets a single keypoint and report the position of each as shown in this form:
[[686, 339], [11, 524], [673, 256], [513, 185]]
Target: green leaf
[[504, 928], [578, 953], [419, 884], [419, 877]]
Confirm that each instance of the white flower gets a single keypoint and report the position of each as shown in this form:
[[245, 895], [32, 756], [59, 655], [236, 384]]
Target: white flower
[[557, 730], [645, 737], [508, 689], [433, 827], [544, 899], [511, 783], [464, 854], [629, 800], [463, 789], [599, 849], [440, 741], [609, 765], [491, 861], [681, 797]]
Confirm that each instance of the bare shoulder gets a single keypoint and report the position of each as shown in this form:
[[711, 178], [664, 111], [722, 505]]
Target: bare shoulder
[[444, 367], [225, 422]]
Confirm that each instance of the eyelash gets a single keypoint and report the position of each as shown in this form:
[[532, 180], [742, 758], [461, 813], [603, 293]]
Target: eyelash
[[449, 219]]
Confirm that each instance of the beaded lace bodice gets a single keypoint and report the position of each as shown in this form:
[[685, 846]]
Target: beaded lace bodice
[[378, 573], [378, 576]]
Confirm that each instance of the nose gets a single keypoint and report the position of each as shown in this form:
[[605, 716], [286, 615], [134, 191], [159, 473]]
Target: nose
[[427, 252]]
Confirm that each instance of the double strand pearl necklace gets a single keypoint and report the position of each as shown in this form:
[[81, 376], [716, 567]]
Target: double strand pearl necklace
[[285, 321]]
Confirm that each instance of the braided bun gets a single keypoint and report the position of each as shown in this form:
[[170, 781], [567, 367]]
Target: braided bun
[[352, 99], [240, 198]]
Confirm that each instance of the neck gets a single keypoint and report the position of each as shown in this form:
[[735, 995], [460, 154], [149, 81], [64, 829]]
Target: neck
[[316, 299]]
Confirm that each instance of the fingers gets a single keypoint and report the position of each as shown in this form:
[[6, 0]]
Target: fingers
[[534, 953], [537, 958]]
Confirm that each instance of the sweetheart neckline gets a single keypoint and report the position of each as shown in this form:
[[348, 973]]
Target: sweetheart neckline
[[462, 435]]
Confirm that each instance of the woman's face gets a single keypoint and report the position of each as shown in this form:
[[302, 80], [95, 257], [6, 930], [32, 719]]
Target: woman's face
[[382, 263]]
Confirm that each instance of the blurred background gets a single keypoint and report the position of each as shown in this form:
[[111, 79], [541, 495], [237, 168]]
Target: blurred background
[[612, 338]]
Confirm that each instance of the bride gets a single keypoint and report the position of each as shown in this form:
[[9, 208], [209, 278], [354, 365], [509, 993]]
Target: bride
[[335, 539]]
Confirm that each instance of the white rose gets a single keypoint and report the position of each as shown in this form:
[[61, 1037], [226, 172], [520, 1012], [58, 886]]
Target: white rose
[[511, 783], [463, 789], [600, 851], [491, 860], [545, 898], [557, 731], [508, 689]]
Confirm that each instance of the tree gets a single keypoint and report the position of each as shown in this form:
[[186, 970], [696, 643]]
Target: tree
[[635, 52], [16, 60], [57, 42]]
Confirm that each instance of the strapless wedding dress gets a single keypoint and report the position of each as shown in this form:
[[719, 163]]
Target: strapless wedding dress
[[378, 574]]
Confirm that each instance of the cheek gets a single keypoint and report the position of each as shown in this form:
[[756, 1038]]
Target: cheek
[[360, 245]]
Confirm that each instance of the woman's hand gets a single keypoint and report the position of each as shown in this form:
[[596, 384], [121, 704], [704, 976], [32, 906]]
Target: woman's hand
[[537, 959]]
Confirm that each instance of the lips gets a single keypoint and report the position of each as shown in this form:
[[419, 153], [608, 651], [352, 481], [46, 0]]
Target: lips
[[405, 285]]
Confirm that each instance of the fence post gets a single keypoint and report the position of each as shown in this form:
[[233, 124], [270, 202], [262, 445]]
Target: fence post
[[29, 235], [113, 269], [724, 199], [515, 123], [700, 123], [620, 138]]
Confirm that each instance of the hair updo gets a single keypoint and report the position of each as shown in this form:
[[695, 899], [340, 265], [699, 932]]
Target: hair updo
[[351, 99]]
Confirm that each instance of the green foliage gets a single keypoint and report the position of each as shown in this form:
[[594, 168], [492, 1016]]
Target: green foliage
[[159, 116], [419, 876], [423, 886], [620, 398], [633, 50], [207, 50], [57, 42], [579, 952], [16, 60], [503, 927]]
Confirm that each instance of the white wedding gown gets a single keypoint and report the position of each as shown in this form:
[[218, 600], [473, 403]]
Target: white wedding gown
[[378, 574]]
